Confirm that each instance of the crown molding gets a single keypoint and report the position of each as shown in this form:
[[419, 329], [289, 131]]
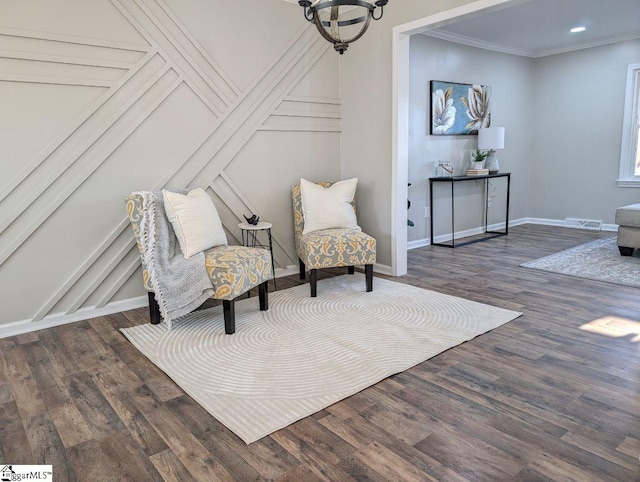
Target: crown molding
[[481, 44], [587, 45], [474, 42]]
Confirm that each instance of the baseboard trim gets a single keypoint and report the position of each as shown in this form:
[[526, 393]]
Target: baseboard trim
[[418, 243], [560, 223], [383, 269], [288, 271], [444, 238], [27, 326]]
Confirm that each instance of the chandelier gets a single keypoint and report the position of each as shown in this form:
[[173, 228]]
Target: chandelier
[[342, 21]]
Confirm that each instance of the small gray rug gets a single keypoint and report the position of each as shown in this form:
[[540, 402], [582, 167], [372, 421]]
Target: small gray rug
[[598, 260], [305, 353]]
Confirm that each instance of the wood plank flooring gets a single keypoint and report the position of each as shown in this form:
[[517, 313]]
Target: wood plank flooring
[[539, 398]]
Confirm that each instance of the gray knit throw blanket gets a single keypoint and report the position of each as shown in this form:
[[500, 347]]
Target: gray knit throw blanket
[[180, 285]]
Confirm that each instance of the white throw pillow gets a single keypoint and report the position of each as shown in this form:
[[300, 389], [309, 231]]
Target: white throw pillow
[[330, 207], [195, 221]]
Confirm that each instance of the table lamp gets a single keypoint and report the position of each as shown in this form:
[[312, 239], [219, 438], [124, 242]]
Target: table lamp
[[491, 138]]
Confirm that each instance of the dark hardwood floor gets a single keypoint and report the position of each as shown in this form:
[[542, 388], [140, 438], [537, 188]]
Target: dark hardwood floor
[[539, 398]]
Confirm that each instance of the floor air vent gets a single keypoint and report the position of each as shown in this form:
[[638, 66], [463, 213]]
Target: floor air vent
[[583, 224]]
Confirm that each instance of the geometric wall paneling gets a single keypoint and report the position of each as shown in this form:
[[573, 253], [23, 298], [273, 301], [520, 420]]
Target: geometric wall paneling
[[233, 201], [230, 126], [90, 124], [161, 29], [114, 280], [95, 20], [209, 71], [77, 158], [262, 109], [145, 17], [50, 178], [267, 190], [26, 200], [101, 155], [68, 285], [264, 99], [48, 54], [155, 156], [225, 144], [43, 111], [64, 59], [120, 238], [234, 32], [147, 115], [304, 120], [103, 276], [236, 202], [256, 105], [227, 217]]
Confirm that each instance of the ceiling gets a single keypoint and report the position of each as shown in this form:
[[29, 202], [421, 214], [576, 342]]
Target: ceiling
[[536, 28]]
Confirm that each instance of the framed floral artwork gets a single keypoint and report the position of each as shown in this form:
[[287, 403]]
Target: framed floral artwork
[[459, 109]]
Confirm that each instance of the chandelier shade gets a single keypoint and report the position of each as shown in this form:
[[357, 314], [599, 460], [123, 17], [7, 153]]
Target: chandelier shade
[[342, 21]]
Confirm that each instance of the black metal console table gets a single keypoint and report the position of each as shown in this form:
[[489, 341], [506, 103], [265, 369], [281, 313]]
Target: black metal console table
[[455, 179]]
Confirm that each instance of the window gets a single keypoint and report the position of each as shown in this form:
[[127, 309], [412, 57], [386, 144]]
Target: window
[[630, 148]]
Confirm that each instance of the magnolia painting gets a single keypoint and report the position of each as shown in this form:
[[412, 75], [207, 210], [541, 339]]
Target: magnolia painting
[[459, 109]]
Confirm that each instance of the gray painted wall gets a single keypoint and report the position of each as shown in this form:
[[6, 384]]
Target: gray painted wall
[[577, 129], [511, 81], [563, 119]]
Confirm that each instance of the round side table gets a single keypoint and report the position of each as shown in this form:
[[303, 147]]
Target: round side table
[[250, 239]]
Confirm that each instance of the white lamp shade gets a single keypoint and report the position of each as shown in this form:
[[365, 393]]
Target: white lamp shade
[[491, 138]]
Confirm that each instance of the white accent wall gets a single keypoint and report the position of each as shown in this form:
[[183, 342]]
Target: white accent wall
[[102, 98]]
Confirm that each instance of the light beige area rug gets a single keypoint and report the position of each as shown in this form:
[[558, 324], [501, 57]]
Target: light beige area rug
[[305, 354]]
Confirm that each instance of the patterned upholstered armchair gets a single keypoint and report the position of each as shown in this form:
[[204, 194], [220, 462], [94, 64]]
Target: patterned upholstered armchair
[[330, 248], [233, 270]]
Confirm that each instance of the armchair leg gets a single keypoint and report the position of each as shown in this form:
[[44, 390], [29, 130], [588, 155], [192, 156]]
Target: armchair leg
[[263, 295], [351, 269], [368, 274], [313, 282], [154, 310], [302, 268], [228, 307]]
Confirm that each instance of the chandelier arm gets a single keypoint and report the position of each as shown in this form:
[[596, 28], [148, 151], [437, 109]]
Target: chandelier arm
[[381, 4], [346, 23], [308, 14], [307, 9], [361, 32]]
